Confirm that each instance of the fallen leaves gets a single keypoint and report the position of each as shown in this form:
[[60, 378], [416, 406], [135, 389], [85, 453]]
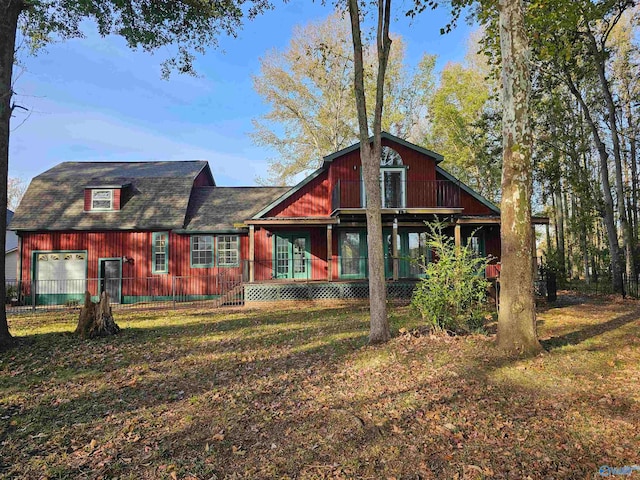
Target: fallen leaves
[[266, 395]]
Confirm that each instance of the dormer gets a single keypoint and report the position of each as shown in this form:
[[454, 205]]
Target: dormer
[[103, 198]]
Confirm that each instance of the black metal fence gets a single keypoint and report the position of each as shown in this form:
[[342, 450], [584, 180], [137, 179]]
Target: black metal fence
[[602, 286], [165, 291]]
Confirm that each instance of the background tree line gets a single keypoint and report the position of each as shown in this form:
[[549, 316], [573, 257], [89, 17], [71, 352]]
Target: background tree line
[[585, 98]]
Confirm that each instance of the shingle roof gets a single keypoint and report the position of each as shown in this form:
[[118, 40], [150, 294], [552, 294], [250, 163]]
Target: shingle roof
[[219, 208], [156, 199]]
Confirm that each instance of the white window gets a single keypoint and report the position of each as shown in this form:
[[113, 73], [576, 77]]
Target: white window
[[228, 251], [160, 253], [101, 199], [201, 251]]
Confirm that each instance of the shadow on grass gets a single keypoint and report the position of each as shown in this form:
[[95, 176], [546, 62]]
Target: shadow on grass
[[579, 336]]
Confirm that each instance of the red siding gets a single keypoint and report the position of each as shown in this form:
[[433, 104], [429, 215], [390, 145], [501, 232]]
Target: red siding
[[264, 251], [312, 200], [116, 198], [471, 206], [87, 199], [135, 245]]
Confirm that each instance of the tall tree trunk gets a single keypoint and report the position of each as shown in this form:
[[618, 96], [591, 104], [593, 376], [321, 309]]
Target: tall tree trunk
[[370, 156], [607, 209], [9, 12], [557, 194], [517, 317], [598, 56]]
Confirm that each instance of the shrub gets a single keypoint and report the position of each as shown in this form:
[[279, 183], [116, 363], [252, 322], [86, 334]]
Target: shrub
[[11, 292], [452, 295]]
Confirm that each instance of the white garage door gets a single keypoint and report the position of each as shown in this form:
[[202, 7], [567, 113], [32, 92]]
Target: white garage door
[[61, 272]]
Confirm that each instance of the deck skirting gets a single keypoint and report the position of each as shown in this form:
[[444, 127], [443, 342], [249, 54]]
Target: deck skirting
[[276, 292]]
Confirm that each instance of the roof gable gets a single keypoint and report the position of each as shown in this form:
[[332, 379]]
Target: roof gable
[[387, 136]]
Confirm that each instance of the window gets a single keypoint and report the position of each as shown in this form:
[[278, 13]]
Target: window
[[201, 251], [228, 254], [101, 199], [160, 253]]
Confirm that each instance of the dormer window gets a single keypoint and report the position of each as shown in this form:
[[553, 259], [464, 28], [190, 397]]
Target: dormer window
[[101, 199]]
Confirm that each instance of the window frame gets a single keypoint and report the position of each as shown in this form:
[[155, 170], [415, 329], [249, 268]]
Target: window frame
[[191, 251], [154, 253], [218, 249], [111, 199]]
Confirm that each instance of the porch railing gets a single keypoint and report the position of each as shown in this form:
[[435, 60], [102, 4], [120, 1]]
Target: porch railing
[[406, 194], [352, 268]]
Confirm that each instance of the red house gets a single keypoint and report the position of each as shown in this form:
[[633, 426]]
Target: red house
[[157, 230]]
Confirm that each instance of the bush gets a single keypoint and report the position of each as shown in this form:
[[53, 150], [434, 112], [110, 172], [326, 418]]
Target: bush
[[452, 295], [11, 292]]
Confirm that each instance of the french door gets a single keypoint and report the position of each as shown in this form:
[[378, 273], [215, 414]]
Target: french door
[[291, 256], [392, 187]]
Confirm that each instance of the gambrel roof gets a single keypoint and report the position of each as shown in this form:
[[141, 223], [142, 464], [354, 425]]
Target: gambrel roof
[[155, 197]]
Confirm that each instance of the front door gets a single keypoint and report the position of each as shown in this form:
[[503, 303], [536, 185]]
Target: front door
[[111, 278], [291, 258]]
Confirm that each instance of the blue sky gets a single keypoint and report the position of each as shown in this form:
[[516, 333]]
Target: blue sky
[[94, 99]]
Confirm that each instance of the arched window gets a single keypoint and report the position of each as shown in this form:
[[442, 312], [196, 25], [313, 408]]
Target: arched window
[[390, 158]]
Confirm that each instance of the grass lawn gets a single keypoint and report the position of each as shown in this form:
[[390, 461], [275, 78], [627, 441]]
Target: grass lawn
[[298, 394]]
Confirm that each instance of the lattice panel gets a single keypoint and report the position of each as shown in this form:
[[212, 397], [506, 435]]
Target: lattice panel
[[400, 290], [324, 291], [320, 291], [355, 290], [293, 292], [260, 293]]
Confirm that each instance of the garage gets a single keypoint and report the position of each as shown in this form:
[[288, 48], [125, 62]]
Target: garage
[[61, 277]]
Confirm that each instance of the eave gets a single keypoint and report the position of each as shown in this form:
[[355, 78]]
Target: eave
[[293, 221]]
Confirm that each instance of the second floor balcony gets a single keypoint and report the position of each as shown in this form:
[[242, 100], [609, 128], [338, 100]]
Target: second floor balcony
[[398, 194]]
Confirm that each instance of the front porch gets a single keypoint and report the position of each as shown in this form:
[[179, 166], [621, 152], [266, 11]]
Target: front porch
[[334, 249]]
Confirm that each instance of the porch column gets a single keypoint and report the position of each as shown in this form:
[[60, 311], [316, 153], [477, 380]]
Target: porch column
[[457, 235], [252, 253], [394, 248], [329, 252]]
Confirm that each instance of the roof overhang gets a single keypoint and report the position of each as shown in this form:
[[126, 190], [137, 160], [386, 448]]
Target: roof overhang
[[293, 221]]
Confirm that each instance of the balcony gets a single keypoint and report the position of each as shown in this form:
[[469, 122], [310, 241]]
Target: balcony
[[399, 194]]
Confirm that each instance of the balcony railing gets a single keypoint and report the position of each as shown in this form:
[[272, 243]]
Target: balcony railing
[[406, 194]]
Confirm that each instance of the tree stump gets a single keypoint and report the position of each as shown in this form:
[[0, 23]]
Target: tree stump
[[96, 319]]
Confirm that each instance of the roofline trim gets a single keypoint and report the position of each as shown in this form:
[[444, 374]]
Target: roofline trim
[[386, 135], [289, 193], [469, 190], [187, 231]]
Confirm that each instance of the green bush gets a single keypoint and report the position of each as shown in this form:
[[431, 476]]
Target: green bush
[[11, 292], [452, 295]]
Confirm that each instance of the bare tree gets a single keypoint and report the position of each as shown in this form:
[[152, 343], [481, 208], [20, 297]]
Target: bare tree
[[370, 154]]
